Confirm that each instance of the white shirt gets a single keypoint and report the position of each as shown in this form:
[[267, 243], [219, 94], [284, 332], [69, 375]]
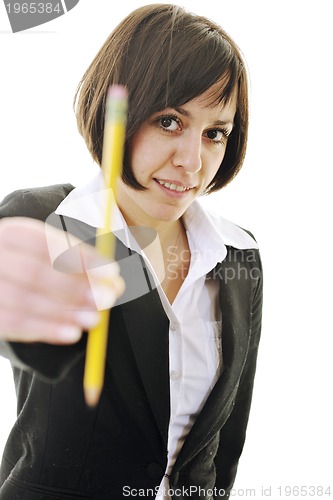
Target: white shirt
[[195, 357]]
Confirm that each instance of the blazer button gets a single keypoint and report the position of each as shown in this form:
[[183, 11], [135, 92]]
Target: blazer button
[[154, 471]]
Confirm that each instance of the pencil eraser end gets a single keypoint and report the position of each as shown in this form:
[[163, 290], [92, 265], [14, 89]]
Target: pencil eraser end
[[117, 92]]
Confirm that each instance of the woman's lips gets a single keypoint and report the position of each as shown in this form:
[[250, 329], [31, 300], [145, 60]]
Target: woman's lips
[[175, 186]]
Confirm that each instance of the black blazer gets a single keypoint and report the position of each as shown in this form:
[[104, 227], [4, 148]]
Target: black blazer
[[60, 449]]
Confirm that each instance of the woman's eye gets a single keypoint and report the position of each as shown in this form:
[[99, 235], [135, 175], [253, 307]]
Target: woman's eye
[[216, 135], [169, 123]]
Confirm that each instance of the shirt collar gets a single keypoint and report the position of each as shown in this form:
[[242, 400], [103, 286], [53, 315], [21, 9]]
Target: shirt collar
[[85, 204], [208, 236]]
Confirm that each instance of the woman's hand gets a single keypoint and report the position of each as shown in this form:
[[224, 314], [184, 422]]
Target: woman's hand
[[40, 303]]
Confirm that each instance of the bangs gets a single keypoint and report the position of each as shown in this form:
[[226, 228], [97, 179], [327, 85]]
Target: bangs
[[207, 58]]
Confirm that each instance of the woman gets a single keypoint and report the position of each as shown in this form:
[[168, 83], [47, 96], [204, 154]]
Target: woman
[[184, 335]]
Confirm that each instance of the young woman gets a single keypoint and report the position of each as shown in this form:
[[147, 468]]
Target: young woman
[[183, 336]]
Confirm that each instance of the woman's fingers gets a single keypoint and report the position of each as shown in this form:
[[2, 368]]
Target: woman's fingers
[[41, 303]]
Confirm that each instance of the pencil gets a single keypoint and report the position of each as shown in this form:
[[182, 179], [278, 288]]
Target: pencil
[[112, 159]]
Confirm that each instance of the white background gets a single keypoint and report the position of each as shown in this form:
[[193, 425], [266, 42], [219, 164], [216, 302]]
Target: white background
[[282, 195]]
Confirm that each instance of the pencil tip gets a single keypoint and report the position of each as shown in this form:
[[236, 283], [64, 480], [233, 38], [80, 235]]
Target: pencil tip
[[92, 395]]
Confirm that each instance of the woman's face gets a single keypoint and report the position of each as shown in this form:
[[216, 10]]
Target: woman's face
[[175, 154]]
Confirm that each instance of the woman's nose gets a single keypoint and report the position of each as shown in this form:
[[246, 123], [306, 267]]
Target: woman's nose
[[188, 153]]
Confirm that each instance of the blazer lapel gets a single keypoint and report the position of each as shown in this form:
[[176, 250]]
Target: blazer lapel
[[235, 301], [148, 330]]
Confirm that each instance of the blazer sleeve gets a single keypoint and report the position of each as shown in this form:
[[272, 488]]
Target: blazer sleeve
[[51, 362], [232, 435]]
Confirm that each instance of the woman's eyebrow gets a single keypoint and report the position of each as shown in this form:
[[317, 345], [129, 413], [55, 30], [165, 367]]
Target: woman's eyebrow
[[182, 111], [222, 123]]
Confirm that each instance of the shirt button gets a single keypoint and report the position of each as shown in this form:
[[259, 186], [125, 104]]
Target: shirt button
[[173, 326], [174, 375]]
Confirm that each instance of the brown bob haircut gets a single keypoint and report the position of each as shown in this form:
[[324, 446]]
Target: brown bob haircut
[[166, 57]]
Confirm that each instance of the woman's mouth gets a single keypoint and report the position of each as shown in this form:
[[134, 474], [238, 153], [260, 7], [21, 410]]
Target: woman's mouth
[[180, 188]]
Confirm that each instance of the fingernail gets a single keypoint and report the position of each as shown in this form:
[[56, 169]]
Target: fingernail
[[104, 297], [69, 333], [87, 319], [106, 272]]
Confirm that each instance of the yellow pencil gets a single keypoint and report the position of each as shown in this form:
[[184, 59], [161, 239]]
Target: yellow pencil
[[112, 159]]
